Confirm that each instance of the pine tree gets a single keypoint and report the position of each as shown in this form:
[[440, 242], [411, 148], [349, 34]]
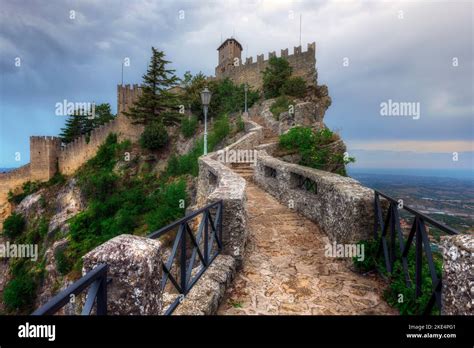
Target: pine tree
[[80, 122], [73, 128], [103, 114], [157, 103]]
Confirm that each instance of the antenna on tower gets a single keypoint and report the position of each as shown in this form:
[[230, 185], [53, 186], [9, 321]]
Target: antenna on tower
[[122, 72], [300, 27]]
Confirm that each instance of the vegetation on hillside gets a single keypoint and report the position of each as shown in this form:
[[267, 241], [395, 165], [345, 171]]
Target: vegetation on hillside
[[31, 187], [277, 80], [314, 149], [122, 195], [281, 104], [227, 97], [119, 204], [188, 163], [398, 294]]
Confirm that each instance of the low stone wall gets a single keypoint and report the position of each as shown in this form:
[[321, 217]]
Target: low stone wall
[[217, 182], [76, 153], [341, 206], [458, 275]]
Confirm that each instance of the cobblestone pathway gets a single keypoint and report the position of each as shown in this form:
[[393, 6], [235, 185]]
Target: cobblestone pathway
[[285, 270]]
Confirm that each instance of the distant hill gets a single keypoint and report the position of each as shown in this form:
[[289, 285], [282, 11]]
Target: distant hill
[[448, 200]]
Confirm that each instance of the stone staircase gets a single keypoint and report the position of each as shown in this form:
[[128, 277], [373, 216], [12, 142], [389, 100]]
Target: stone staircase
[[245, 170], [285, 270]]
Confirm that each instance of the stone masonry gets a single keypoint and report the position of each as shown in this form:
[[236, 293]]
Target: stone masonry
[[458, 275], [231, 64], [47, 155]]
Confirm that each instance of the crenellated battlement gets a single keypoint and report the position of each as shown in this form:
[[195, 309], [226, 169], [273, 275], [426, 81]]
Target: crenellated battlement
[[126, 96], [250, 71]]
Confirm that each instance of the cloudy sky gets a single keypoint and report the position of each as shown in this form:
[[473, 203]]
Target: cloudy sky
[[368, 52]]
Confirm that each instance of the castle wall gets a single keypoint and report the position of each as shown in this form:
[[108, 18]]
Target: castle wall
[[303, 64], [44, 152], [126, 96], [76, 153], [9, 181]]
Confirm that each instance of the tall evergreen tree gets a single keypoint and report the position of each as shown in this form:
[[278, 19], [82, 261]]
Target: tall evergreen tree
[[275, 75], [80, 123], [103, 114], [73, 128], [157, 103]]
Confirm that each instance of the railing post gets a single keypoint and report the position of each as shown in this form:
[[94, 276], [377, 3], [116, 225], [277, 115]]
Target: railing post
[[393, 255], [183, 261], [419, 259], [376, 215], [102, 295], [206, 237]]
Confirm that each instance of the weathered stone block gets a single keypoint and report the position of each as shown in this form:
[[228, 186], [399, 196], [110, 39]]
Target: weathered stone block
[[205, 296], [135, 269], [341, 206], [458, 275]]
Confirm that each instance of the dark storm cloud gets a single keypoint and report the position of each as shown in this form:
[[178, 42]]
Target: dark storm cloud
[[80, 59]]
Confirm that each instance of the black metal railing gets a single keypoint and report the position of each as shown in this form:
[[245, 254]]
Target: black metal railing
[[206, 244], [387, 231], [95, 280], [306, 184]]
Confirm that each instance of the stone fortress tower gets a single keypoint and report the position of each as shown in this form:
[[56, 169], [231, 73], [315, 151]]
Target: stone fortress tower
[[230, 53], [230, 64]]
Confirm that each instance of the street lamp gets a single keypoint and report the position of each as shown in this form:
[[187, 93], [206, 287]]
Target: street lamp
[[246, 88], [205, 100]]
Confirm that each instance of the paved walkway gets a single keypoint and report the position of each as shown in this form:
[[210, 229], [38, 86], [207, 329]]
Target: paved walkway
[[285, 270]]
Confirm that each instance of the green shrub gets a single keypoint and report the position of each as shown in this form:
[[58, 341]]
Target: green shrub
[[14, 225], [275, 75], [28, 188], [281, 104], [98, 185], [57, 178], [189, 126], [312, 146], [20, 292], [64, 263], [240, 124], [154, 137], [188, 163], [227, 97], [169, 200], [294, 86], [397, 293], [220, 130]]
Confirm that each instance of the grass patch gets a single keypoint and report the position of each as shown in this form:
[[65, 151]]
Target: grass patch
[[281, 104]]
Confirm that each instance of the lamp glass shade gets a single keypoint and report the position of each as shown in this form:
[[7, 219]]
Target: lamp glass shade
[[206, 97]]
